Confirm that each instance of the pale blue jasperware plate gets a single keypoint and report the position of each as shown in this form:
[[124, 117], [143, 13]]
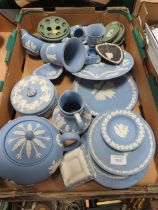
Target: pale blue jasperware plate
[[105, 71], [109, 180], [106, 96], [120, 163]]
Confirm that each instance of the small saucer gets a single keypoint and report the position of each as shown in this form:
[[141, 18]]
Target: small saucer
[[49, 71], [110, 52], [68, 124]]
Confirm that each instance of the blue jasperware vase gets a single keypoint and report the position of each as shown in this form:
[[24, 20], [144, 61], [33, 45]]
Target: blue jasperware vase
[[31, 149], [31, 44], [71, 54]]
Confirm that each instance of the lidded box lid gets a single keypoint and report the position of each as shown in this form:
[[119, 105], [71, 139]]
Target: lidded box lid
[[28, 140], [30, 150], [33, 95]]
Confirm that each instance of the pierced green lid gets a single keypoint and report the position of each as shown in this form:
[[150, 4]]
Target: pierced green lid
[[53, 28], [112, 30]]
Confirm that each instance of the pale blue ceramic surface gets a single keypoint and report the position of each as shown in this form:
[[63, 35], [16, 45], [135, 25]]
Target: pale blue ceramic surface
[[66, 54], [71, 97], [105, 96], [105, 71], [43, 53], [95, 33], [49, 71], [109, 180], [31, 149], [92, 56], [65, 123], [33, 95], [122, 132], [79, 32], [31, 44], [71, 105], [132, 162]]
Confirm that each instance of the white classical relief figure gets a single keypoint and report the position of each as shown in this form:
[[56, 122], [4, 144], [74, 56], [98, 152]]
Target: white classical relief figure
[[105, 91], [121, 130]]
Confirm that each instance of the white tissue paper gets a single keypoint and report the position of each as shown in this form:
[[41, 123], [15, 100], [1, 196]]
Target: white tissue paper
[[76, 168]]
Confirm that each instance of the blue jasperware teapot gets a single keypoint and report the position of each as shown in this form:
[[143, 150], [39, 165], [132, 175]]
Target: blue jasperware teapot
[[31, 149]]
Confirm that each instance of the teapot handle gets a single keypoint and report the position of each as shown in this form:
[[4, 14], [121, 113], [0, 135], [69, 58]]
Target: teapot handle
[[73, 136]]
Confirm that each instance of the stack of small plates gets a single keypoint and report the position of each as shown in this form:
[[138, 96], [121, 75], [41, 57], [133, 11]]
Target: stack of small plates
[[114, 33], [121, 146]]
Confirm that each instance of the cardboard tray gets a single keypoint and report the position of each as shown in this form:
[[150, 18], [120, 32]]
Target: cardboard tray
[[5, 80], [147, 13], [21, 65]]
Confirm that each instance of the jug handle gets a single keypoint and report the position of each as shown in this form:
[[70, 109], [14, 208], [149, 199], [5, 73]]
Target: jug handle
[[70, 136]]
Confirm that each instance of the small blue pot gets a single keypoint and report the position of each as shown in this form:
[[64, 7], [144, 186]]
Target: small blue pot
[[31, 44], [79, 32], [95, 33], [92, 56]]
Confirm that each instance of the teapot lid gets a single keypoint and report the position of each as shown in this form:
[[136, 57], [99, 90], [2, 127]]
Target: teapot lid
[[32, 95], [28, 140]]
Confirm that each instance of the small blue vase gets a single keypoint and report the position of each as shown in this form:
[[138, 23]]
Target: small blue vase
[[71, 54]]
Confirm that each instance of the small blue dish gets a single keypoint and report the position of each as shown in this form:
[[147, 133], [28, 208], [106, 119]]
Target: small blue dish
[[49, 71]]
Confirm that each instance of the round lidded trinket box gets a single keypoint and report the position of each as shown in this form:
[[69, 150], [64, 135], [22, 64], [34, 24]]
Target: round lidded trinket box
[[34, 95], [31, 149], [119, 162]]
